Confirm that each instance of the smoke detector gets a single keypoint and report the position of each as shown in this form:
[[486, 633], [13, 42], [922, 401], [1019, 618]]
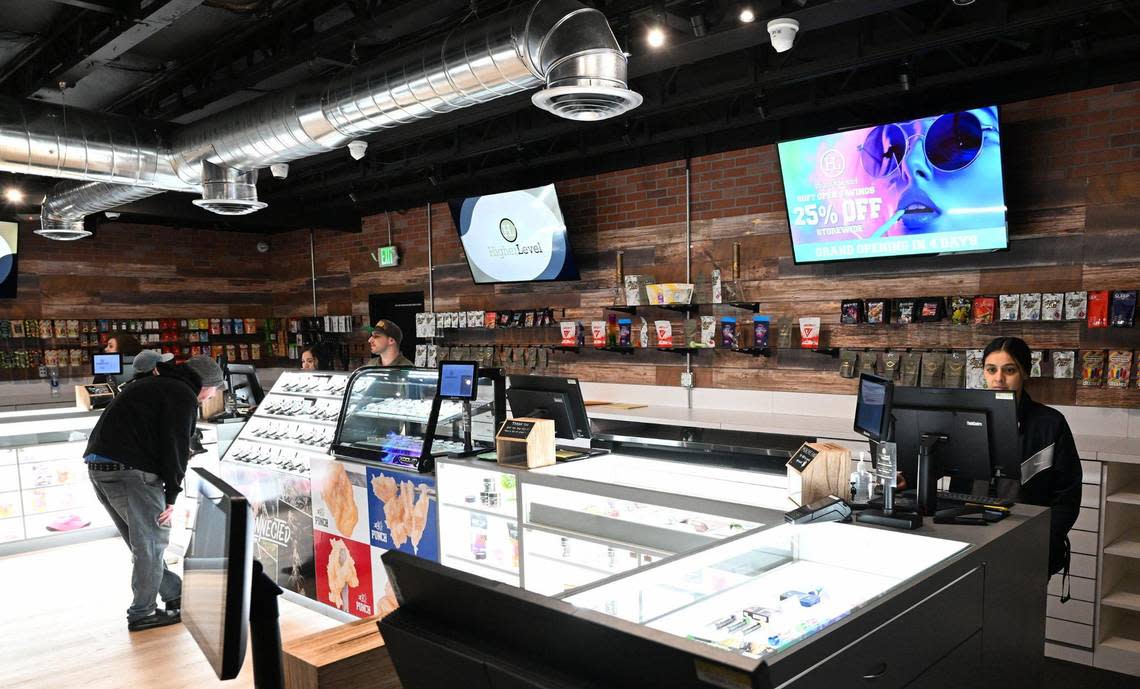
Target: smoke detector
[[783, 32], [357, 148], [279, 170]]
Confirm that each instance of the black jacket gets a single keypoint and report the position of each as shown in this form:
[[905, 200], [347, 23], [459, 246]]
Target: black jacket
[[149, 424], [1050, 472]]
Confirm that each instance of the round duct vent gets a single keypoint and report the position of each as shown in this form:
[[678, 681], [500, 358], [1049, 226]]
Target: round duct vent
[[63, 234], [586, 103], [230, 206]]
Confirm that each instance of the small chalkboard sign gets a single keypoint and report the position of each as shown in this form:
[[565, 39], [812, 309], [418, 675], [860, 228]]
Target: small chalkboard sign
[[802, 458], [514, 428], [527, 443]]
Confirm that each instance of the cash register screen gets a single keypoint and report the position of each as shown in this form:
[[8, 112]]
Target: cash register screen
[[873, 406], [108, 364], [457, 380]]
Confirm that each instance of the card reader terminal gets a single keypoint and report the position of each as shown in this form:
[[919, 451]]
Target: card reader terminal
[[829, 509]]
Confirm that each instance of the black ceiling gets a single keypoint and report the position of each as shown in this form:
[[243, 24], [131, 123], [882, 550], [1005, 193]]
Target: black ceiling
[[854, 62]]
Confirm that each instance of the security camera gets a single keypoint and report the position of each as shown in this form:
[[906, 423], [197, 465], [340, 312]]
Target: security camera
[[783, 33], [279, 170], [356, 148], [262, 247]]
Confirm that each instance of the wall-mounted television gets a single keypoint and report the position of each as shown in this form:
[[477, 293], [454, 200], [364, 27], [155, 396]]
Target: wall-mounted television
[[932, 185], [8, 273], [516, 236]]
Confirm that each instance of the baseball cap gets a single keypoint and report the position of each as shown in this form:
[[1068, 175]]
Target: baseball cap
[[207, 369], [388, 328], [147, 359]]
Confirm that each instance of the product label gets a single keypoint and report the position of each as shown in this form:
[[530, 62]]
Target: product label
[[518, 430], [802, 458]]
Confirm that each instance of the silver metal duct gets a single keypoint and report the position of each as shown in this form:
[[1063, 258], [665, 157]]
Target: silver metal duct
[[65, 206], [561, 44]]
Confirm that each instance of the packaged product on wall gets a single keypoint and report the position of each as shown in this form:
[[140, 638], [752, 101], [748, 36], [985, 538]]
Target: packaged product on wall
[[1031, 307], [960, 309], [664, 333], [1092, 367], [931, 309], [59, 328], [1035, 358], [75, 357], [728, 334], [868, 362], [954, 373], [227, 326], [216, 326], [643, 332], [851, 311], [17, 328], [598, 333], [933, 364], [528, 319], [1009, 306], [45, 329], [421, 356], [243, 352], [1076, 305], [975, 377], [760, 326], [809, 332], [877, 311], [1119, 367], [231, 352], [1098, 303], [625, 332], [848, 360], [905, 311], [238, 326], [911, 364], [1063, 364], [420, 325], [708, 331], [891, 365], [1052, 306], [783, 333], [518, 319], [476, 319], [1123, 311], [432, 356], [504, 319], [569, 330], [490, 319]]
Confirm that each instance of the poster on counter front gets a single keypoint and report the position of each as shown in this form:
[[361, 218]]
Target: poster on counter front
[[402, 512], [344, 574], [340, 501]]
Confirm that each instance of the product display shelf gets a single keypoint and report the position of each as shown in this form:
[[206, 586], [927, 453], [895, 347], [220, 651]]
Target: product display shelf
[[302, 419], [596, 539], [1128, 545], [752, 306], [1118, 614], [479, 518]]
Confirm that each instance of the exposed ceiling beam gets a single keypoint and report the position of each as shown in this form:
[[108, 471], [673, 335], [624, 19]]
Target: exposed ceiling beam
[[104, 6], [114, 43]]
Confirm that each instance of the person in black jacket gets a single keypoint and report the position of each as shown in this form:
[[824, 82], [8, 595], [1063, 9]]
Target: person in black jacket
[[1050, 466], [136, 458]]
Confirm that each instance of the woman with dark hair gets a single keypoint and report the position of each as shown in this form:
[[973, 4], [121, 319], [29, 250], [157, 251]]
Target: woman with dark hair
[[128, 347], [1050, 465]]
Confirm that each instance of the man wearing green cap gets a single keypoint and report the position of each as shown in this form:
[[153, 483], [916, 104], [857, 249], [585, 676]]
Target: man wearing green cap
[[384, 341]]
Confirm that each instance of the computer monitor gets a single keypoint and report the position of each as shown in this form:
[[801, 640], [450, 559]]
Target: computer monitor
[[107, 364], [217, 573], [980, 430], [241, 380], [457, 380], [549, 397], [873, 407]]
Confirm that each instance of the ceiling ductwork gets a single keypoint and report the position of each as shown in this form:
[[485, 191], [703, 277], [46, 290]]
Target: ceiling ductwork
[[65, 206], [561, 45]]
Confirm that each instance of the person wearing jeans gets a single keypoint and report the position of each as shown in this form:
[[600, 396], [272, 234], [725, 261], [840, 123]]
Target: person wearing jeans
[[136, 457]]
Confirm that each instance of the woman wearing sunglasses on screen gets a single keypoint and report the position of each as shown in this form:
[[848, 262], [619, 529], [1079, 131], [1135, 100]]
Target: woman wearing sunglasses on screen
[[1050, 465], [939, 173]]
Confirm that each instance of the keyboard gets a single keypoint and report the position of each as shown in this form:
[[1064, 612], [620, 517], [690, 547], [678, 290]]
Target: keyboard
[[966, 498]]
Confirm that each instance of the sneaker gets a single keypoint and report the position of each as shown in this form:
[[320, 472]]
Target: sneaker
[[174, 604], [158, 618]]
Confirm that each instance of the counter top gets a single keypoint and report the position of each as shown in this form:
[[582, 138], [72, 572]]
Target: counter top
[[733, 420], [1104, 448]]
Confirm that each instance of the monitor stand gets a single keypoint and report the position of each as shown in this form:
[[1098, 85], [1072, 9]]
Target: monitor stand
[[264, 630], [888, 516], [927, 489]]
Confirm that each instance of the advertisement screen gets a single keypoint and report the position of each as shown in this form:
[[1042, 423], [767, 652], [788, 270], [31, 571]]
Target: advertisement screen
[[517, 236], [926, 186], [8, 231]]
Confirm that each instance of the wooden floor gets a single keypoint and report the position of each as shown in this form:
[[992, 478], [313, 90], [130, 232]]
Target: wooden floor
[[63, 625]]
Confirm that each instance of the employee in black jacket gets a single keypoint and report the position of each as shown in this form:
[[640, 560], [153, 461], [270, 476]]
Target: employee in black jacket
[[1050, 466], [136, 458]]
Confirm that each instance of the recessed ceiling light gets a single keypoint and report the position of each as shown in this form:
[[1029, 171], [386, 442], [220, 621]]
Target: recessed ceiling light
[[747, 15], [14, 195]]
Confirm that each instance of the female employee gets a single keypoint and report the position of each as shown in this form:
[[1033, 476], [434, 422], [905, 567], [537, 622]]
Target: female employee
[[1050, 466], [128, 346]]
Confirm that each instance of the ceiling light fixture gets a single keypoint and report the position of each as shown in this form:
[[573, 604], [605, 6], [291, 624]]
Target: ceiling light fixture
[[747, 15], [13, 195], [655, 37]]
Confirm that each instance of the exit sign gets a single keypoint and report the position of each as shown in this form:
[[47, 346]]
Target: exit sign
[[388, 256]]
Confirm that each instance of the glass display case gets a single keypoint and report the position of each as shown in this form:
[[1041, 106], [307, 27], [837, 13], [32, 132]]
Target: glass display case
[[479, 518], [588, 520], [389, 416], [762, 593]]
